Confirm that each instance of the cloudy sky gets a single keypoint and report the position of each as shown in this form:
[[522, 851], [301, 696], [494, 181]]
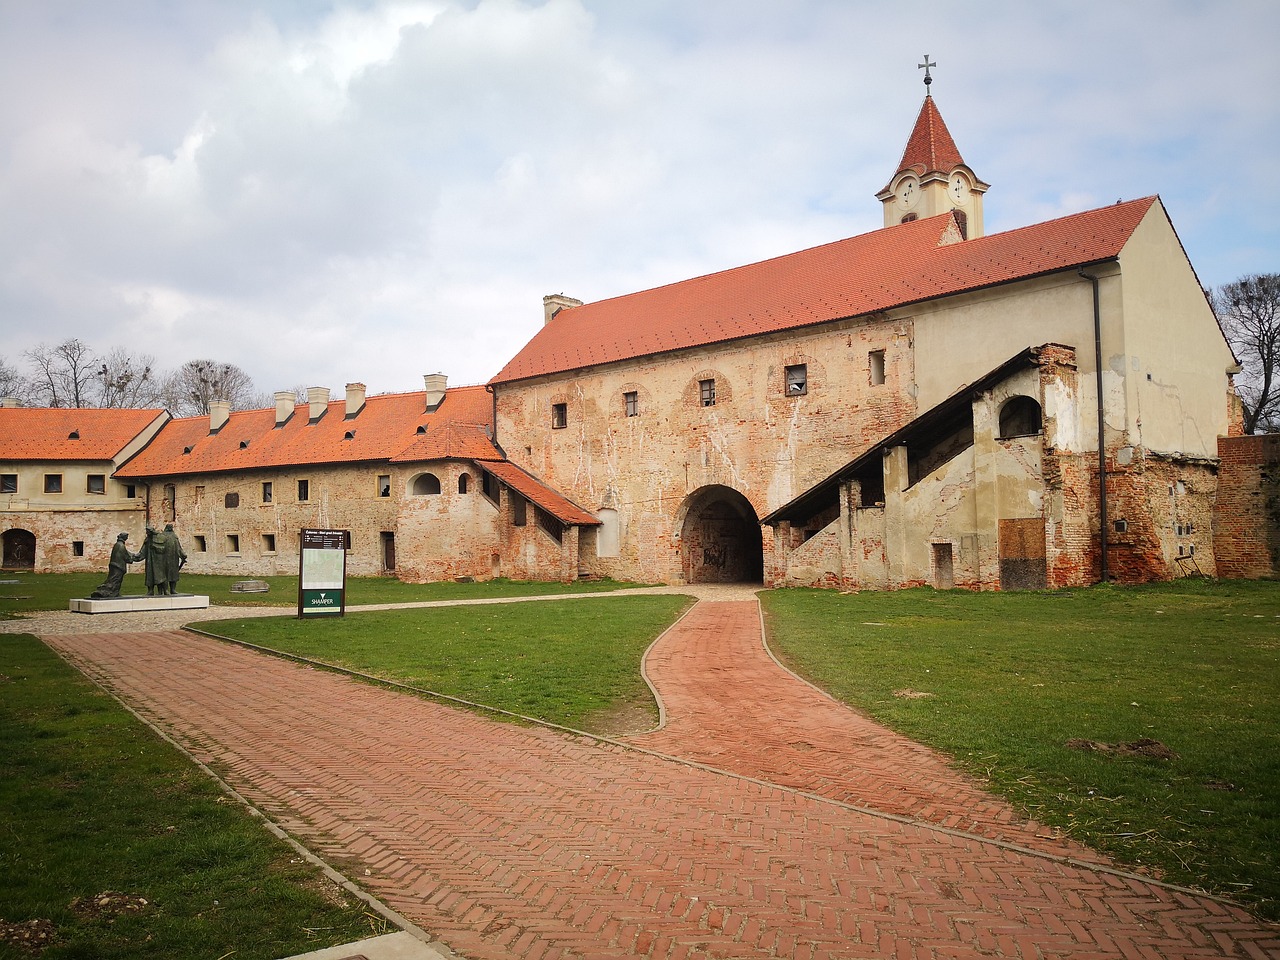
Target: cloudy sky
[[325, 192]]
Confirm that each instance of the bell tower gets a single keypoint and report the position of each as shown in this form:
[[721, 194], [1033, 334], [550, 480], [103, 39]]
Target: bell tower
[[932, 178]]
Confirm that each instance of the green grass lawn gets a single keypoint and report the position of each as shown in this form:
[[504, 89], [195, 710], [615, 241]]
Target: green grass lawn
[[53, 591], [573, 662], [1011, 677], [91, 802]]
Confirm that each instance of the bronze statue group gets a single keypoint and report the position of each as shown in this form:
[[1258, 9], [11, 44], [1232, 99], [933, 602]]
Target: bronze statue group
[[163, 556]]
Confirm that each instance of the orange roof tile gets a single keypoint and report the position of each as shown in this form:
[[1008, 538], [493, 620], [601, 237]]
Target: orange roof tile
[[44, 433], [534, 489], [930, 147], [887, 268], [386, 428]]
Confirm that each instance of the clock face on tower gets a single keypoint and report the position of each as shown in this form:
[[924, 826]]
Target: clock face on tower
[[959, 188], [907, 193]]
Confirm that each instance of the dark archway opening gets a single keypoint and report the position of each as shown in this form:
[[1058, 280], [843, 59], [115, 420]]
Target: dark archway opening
[[19, 550], [720, 540]]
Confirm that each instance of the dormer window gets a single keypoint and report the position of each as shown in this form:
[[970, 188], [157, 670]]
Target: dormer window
[[244, 444], [349, 435], [73, 435], [421, 431]]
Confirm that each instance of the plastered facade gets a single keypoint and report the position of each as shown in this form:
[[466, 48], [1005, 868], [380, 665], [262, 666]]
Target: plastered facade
[[73, 530]]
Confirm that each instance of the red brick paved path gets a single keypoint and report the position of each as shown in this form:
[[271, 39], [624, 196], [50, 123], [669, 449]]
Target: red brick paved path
[[526, 842], [730, 705]]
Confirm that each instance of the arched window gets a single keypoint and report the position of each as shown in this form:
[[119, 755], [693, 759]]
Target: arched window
[[426, 485], [464, 481], [1019, 417]]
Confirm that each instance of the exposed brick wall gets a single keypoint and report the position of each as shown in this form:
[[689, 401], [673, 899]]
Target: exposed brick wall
[[437, 536], [1246, 521], [758, 440], [56, 532]]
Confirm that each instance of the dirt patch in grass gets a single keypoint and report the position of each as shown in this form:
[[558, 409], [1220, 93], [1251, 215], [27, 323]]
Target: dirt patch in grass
[[31, 936], [108, 905], [909, 694], [623, 720], [1135, 748]]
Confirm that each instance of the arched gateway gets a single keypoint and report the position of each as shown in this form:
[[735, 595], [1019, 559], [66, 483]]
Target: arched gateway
[[19, 549], [720, 538]]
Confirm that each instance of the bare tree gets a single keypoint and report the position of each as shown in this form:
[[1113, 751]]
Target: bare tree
[[127, 381], [1248, 311], [64, 374], [13, 383], [187, 391]]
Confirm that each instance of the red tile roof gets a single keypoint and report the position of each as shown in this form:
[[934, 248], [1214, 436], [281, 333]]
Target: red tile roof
[[930, 147], [887, 268], [44, 433], [534, 489], [386, 428]]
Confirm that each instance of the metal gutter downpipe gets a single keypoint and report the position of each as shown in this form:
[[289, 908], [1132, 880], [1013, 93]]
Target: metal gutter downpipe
[[1102, 435]]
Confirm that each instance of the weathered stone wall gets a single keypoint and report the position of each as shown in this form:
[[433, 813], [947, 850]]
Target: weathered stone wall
[[1246, 521], [227, 526], [448, 535], [757, 439]]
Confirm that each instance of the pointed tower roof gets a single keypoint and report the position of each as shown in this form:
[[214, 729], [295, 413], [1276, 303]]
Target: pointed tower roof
[[930, 147]]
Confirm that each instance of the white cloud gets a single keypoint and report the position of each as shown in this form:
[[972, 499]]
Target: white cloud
[[381, 189]]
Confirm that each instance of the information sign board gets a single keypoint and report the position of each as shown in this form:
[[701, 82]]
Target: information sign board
[[322, 573]]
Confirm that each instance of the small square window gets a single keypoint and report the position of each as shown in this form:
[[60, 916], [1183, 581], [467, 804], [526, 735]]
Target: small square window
[[875, 360], [130, 491], [97, 483], [77, 548], [559, 416], [231, 500], [797, 377], [707, 393], [53, 483], [384, 485], [1121, 526], [201, 547], [268, 543], [304, 490], [631, 403], [8, 483], [266, 491], [233, 543]]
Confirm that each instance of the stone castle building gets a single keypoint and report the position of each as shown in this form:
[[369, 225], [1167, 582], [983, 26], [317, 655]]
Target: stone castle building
[[923, 404]]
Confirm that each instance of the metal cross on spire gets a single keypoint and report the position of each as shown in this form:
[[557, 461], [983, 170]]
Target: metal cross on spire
[[925, 67]]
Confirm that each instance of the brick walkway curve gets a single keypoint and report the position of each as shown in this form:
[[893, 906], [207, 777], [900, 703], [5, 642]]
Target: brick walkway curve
[[509, 841], [729, 704]]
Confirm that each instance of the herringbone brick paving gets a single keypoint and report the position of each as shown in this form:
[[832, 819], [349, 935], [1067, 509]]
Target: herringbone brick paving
[[509, 841], [730, 705]]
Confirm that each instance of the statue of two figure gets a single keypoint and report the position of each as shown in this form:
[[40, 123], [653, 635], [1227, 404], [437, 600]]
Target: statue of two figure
[[161, 552]]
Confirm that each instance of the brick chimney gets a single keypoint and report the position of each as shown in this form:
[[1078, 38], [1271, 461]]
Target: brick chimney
[[436, 384], [318, 398], [285, 402], [219, 414], [553, 303], [355, 398]]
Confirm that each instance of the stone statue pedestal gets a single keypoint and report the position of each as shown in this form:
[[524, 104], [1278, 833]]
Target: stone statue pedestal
[[176, 601]]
